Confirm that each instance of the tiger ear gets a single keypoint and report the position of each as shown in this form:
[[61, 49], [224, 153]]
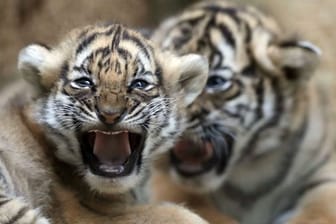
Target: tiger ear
[[297, 60], [30, 63], [187, 75]]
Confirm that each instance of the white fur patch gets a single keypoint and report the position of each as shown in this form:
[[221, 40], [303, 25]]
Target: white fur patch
[[33, 56], [312, 47]]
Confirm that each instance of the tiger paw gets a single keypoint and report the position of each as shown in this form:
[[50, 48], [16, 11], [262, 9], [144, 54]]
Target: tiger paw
[[166, 213], [16, 211]]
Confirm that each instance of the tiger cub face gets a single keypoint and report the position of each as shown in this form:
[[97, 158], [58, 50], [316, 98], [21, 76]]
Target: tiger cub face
[[253, 76], [109, 101]]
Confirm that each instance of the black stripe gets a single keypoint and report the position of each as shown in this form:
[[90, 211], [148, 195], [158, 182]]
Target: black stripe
[[104, 51], [206, 40], [140, 68], [117, 67], [272, 122], [89, 39], [116, 38], [212, 57], [124, 54], [138, 42], [231, 12], [231, 114], [83, 110], [310, 186], [158, 73], [288, 43], [3, 202], [158, 143], [247, 199], [4, 188], [248, 33], [181, 40], [64, 71], [19, 215], [227, 33], [191, 22], [107, 64], [178, 42], [194, 126], [235, 95], [315, 184], [137, 113], [202, 112], [249, 70], [259, 91], [132, 192], [63, 137]]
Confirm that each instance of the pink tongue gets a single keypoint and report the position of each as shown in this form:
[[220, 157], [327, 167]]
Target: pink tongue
[[112, 149]]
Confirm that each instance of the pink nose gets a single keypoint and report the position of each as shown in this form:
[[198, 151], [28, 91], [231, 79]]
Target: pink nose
[[111, 117]]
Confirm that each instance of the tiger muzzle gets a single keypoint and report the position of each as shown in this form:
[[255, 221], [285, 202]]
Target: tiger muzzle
[[111, 117]]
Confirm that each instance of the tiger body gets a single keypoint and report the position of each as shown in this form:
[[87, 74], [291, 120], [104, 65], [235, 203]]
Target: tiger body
[[260, 138], [77, 141]]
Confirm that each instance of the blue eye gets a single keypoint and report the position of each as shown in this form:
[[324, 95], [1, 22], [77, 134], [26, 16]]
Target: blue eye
[[139, 84], [217, 83], [83, 82]]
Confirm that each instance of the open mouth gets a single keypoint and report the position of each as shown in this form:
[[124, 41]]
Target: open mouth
[[111, 154], [191, 159]]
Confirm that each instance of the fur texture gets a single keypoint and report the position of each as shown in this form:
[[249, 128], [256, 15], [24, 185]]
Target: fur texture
[[77, 142], [259, 141]]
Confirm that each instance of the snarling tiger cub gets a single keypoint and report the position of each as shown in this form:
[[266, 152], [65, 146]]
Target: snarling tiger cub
[[259, 142], [76, 142]]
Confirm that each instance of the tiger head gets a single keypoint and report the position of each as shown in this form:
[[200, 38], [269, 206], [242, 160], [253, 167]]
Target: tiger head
[[253, 75], [109, 101]]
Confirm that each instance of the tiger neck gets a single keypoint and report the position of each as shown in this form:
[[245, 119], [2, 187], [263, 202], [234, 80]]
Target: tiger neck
[[105, 204], [275, 179]]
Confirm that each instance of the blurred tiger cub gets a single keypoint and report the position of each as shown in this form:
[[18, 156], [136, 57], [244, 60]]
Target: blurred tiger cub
[[76, 143], [260, 142]]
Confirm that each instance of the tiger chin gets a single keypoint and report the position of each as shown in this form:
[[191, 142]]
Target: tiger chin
[[78, 138], [259, 139]]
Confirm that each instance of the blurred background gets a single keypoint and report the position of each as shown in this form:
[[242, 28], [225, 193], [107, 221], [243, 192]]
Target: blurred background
[[26, 21]]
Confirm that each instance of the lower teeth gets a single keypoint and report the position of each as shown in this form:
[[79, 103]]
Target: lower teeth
[[112, 169]]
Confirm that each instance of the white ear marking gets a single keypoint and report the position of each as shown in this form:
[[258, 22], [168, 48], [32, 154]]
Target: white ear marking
[[30, 61], [194, 71], [33, 56], [310, 46]]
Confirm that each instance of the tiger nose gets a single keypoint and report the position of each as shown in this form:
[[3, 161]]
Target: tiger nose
[[111, 116]]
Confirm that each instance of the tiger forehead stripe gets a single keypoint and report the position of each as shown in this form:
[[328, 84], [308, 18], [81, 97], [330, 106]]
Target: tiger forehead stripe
[[192, 18], [141, 52], [89, 39], [127, 44], [135, 39], [232, 12], [116, 38]]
